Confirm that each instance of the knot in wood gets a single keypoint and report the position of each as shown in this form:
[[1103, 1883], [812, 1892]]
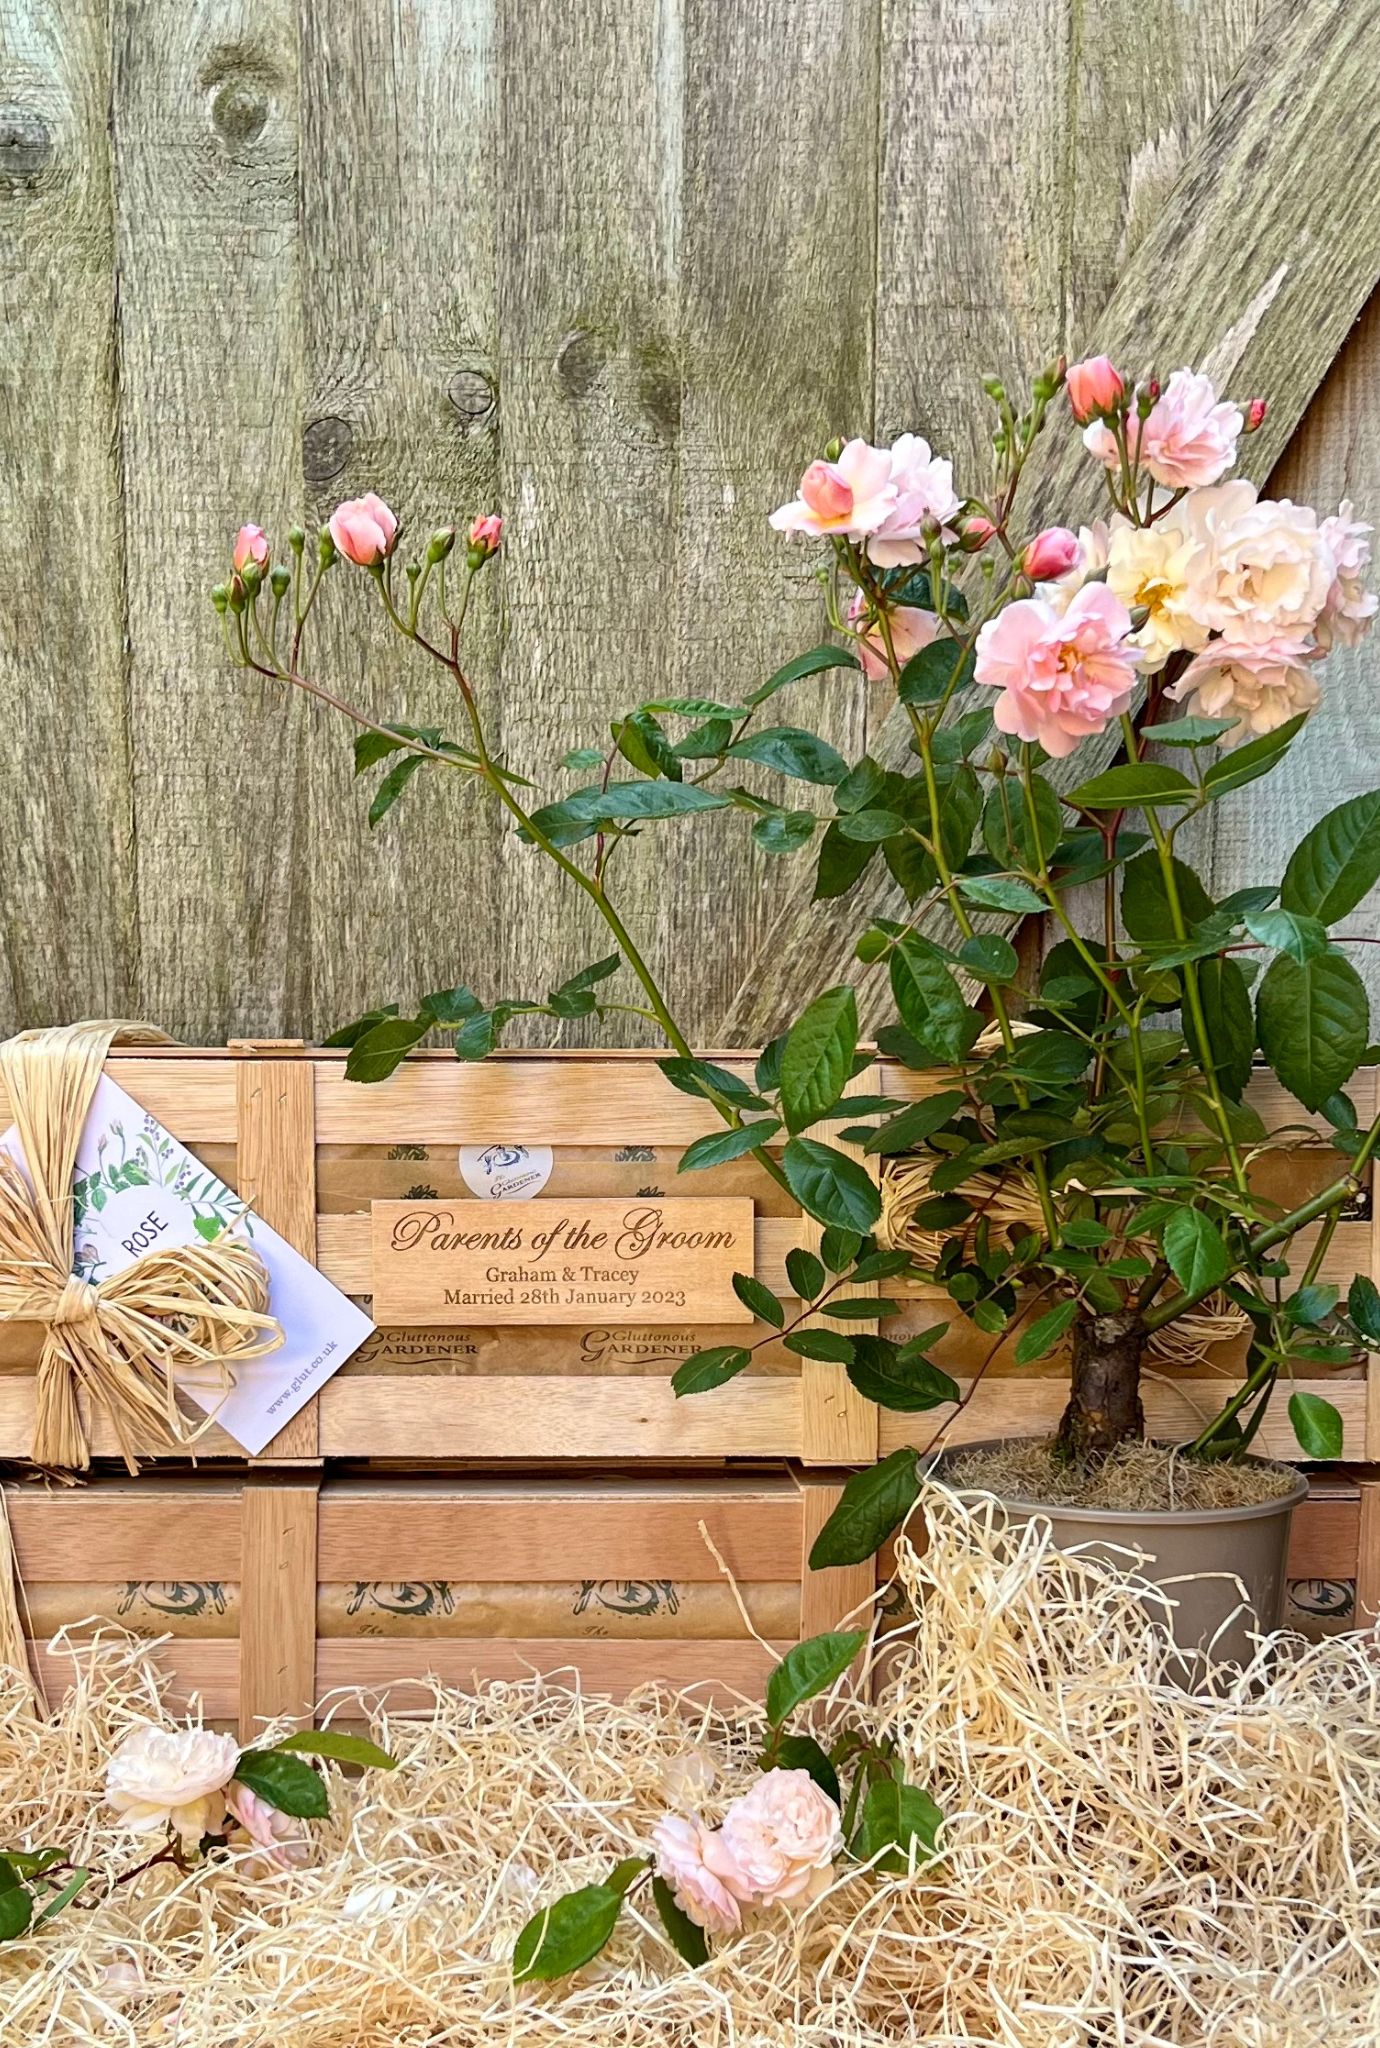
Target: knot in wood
[[239, 111], [327, 444], [26, 145], [472, 395]]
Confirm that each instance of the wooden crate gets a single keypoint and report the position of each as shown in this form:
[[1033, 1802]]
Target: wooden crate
[[276, 1588], [313, 1151], [1333, 1571]]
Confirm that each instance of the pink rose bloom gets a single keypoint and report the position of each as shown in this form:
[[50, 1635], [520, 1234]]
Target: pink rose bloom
[[363, 529], [1260, 683], [911, 629], [849, 498], [1188, 438], [1051, 554], [1062, 675], [251, 545], [487, 532], [691, 1859], [924, 492], [1350, 606], [279, 1835], [782, 1836], [1093, 386]]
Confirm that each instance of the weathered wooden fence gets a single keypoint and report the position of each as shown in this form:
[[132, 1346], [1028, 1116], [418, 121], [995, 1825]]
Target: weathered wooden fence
[[614, 269]]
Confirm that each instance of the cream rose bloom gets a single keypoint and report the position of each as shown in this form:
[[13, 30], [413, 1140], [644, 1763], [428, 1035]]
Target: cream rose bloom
[[1350, 606], [1154, 567], [691, 1859], [1262, 570], [781, 1837], [1260, 683], [172, 1777]]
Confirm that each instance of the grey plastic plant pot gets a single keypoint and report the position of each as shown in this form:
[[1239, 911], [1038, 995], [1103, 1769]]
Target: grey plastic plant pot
[[1223, 1568]]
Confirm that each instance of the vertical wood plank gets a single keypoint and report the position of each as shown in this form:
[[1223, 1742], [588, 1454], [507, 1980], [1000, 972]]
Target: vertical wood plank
[[1368, 1561], [275, 1172], [588, 223], [827, 1596], [277, 1602], [775, 357], [838, 1426], [1242, 840], [402, 398], [69, 943], [205, 119]]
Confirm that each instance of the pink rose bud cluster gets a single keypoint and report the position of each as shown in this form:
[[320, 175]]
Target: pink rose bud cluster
[[776, 1845]]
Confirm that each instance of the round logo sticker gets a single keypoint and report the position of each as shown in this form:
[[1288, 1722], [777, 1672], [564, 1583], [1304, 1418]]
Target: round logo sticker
[[505, 1173]]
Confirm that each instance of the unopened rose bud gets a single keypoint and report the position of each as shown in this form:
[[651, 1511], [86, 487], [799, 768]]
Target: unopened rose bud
[[1051, 553], [1152, 385], [833, 450], [1255, 414], [280, 581], [1095, 387], [251, 545], [364, 529], [1145, 400], [440, 544], [220, 597], [994, 388], [251, 576], [297, 540], [484, 537], [1140, 613], [325, 548], [236, 599], [975, 533]]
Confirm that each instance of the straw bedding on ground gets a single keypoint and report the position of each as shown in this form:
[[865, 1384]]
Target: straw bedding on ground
[[1128, 1862]]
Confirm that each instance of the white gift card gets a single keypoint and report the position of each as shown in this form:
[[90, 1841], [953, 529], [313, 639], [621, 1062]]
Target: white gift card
[[137, 1187]]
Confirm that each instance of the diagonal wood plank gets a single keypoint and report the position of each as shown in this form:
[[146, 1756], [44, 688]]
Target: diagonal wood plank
[[1250, 270]]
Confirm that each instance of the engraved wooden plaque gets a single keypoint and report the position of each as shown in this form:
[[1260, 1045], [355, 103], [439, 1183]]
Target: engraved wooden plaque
[[631, 1260]]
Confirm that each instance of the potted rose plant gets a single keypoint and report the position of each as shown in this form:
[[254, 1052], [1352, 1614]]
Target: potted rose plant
[[1112, 1088]]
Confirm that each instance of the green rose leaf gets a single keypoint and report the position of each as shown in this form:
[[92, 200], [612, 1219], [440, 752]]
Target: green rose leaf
[[871, 1506], [791, 751], [1317, 1425], [567, 1934], [1135, 782], [813, 663], [685, 1937], [830, 1186], [285, 1782], [897, 1820], [334, 1743], [763, 1303], [1337, 863], [903, 1133], [808, 1669], [1313, 1018], [1363, 1306], [838, 1247], [841, 862], [1287, 931], [1000, 892], [818, 1057], [1044, 1333], [1241, 765], [929, 999], [929, 675], [784, 832], [1015, 835], [805, 1273], [884, 1374], [704, 1370], [831, 1346], [380, 1050], [803, 1753], [721, 1146], [1196, 1251]]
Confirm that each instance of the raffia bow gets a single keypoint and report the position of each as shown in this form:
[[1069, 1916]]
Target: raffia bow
[[125, 1340]]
